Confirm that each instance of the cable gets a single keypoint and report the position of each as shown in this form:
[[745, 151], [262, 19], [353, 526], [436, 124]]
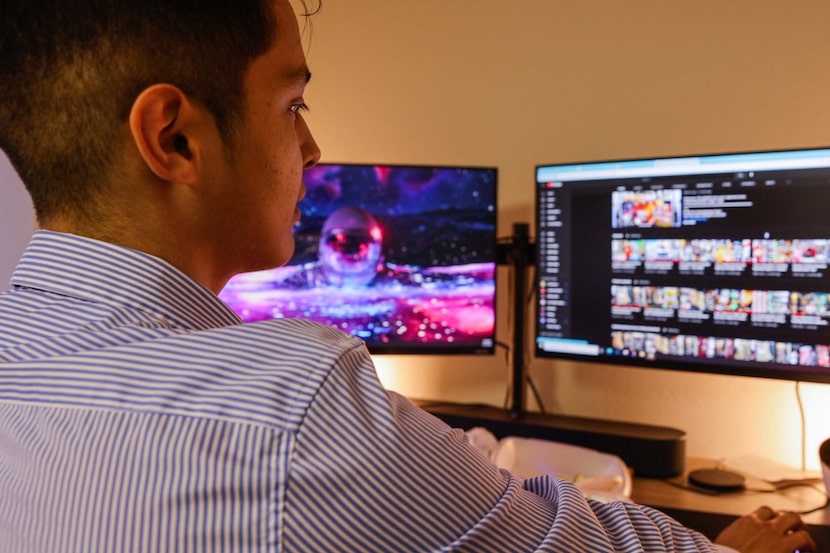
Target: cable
[[528, 351], [820, 507], [508, 389], [787, 485], [803, 426], [536, 394]]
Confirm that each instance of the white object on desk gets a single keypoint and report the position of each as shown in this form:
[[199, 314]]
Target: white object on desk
[[600, 476]]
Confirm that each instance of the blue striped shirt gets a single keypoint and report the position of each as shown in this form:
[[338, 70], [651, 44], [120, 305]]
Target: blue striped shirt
[[137, 414]]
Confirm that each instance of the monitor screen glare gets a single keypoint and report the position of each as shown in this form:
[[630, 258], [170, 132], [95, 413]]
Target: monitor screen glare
[[403, 257], [716, 263]]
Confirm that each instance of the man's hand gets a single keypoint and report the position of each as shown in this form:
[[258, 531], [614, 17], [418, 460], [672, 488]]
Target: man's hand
[[767, 531]]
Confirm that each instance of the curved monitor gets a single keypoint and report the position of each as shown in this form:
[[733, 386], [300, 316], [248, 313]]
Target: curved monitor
[[713, 263], [402, 256]]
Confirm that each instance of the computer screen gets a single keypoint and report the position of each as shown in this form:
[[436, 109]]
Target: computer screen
[[402, 256], [712, 263]]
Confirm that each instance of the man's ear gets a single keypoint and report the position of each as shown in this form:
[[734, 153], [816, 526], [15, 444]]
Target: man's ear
[[165, 126]]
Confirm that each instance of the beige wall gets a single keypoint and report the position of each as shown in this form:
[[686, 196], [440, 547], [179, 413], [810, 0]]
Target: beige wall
[[514, 83], [522, 82]]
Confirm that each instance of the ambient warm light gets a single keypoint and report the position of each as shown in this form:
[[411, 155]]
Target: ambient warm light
[[390, 373]]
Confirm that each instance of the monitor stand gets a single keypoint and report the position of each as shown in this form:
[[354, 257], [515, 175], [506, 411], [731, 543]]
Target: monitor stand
[[650, 451]]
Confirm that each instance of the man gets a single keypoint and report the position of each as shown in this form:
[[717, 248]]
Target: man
[[163, 145]]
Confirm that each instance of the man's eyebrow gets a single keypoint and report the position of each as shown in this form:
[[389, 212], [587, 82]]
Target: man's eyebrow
[[300, 76]]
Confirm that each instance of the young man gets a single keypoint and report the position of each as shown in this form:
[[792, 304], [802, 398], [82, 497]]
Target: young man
[[163, 145]]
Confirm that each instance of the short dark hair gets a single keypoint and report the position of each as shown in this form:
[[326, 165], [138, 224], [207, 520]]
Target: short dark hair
[[71, 69]]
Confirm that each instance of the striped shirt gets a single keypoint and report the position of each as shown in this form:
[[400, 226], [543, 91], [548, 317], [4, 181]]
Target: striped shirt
[[137, 414]]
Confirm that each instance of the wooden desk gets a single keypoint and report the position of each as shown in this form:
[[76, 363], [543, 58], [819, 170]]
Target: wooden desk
[[709, 513]]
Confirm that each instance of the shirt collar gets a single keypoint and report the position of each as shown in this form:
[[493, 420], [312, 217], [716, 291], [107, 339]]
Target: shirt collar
[[87, 269]]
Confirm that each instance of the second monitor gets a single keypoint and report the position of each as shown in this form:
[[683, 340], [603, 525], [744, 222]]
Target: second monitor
[[712, 263], [402, 256]]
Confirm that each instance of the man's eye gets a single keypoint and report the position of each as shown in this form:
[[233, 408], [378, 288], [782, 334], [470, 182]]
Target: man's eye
[[296, 109]]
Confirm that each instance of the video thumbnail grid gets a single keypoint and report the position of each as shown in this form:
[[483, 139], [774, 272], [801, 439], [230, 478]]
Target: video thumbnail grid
[[798, 255], [647, 345], [724, 305]]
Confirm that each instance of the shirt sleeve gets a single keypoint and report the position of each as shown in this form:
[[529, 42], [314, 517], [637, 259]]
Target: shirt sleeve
[[370, 471]]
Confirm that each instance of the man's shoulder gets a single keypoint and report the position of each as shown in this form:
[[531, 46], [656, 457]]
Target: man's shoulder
[[262, 373], [272, 344]]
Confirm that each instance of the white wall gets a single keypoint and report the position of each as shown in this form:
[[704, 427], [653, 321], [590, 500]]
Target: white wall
[[518, 83]]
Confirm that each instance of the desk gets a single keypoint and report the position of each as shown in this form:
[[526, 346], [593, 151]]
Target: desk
[[709, 514]]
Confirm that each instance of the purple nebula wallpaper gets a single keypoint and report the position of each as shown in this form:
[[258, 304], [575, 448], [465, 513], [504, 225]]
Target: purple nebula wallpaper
[[403, 257]]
